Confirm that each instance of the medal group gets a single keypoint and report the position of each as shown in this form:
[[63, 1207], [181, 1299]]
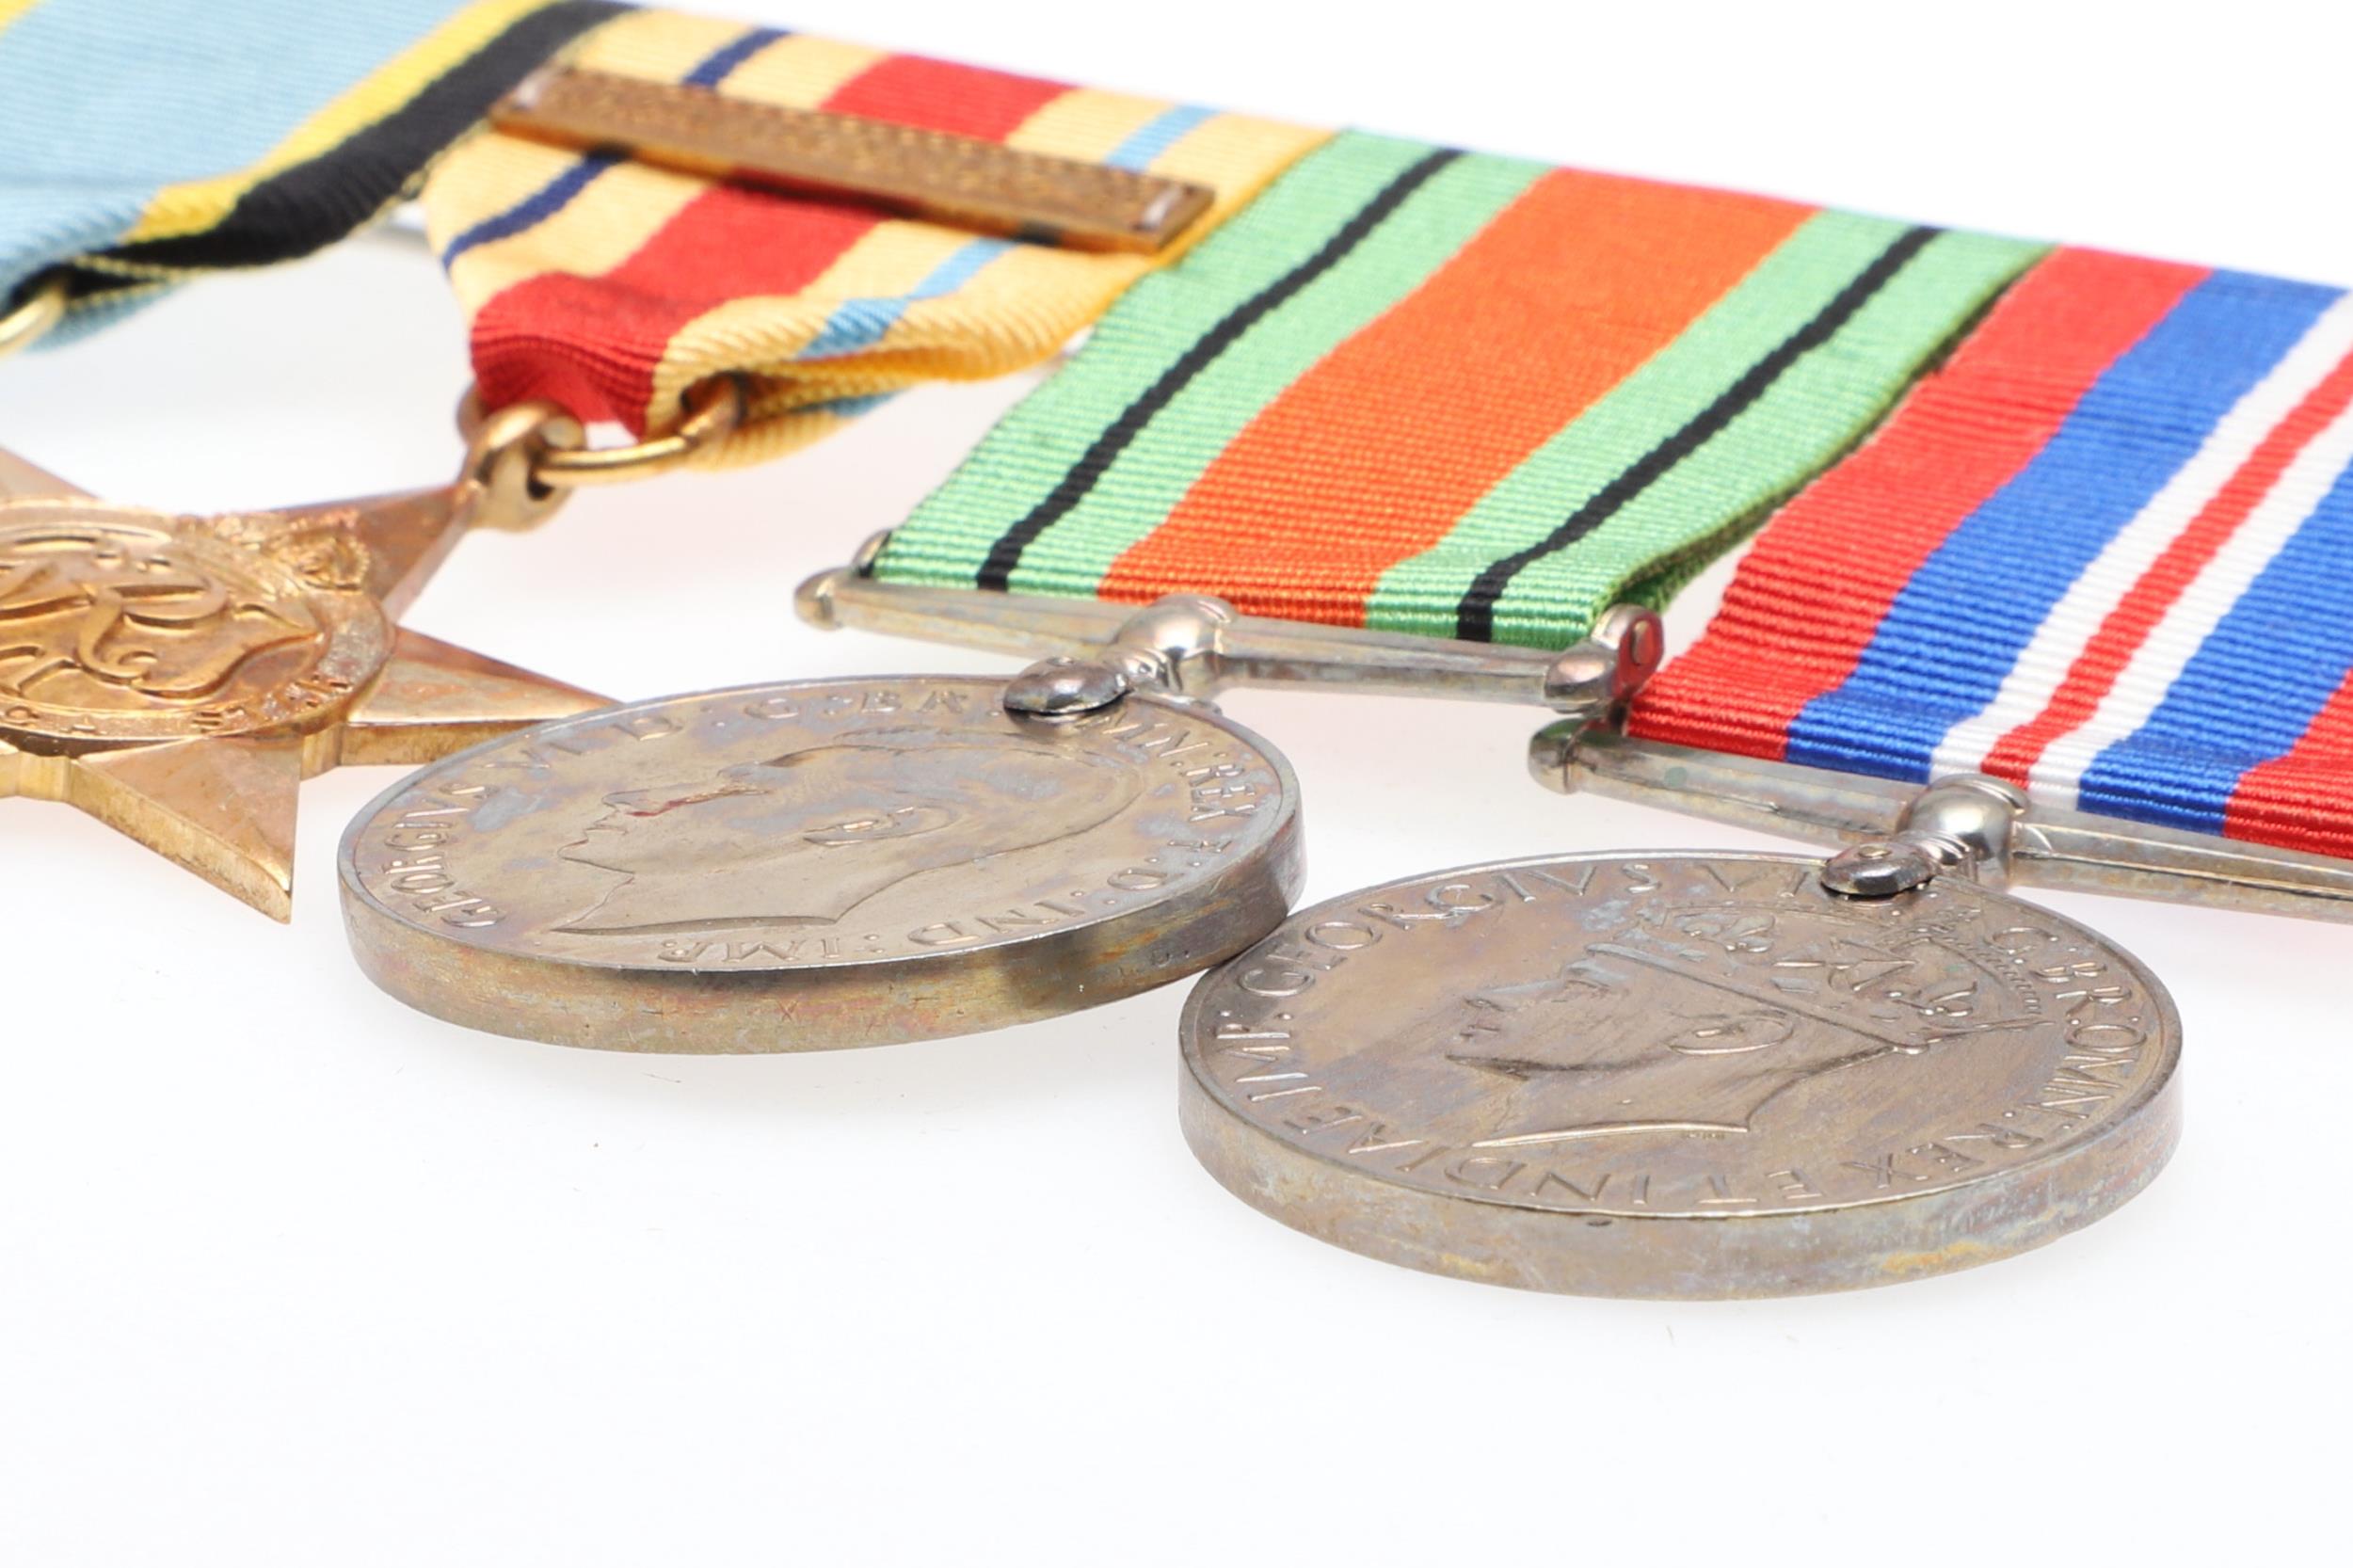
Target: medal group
[[2032, 603]]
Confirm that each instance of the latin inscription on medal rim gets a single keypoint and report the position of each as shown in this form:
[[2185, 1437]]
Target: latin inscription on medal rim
[[819, 864], [1668, 1075]]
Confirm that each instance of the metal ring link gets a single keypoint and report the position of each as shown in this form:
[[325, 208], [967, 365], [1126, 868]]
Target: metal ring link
[[714, 408], [529, 457], [504, 451], [38, 306]]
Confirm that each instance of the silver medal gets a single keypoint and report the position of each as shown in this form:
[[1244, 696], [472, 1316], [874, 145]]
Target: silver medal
[[820, 864], [1680, 1075]]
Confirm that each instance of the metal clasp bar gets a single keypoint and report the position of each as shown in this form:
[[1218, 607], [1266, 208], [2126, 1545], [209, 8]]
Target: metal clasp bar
[[1894, 836], [1898, 836], [1191, 645], [966, 181]]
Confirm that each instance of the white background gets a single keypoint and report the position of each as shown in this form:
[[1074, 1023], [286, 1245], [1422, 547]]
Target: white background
[[290, 1274]]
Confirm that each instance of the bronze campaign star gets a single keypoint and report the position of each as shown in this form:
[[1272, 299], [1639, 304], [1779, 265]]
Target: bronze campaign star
[[178, 677]]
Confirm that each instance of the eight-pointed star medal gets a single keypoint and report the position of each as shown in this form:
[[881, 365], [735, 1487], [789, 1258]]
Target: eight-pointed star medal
[[177, 677]]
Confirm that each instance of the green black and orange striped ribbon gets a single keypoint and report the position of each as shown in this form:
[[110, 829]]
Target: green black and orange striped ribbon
[[1454, 394]]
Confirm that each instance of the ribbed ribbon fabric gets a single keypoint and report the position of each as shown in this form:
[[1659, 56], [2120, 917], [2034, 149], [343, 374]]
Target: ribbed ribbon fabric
[[1453, 395], [2106, 553], [145, 142], [612, 286]]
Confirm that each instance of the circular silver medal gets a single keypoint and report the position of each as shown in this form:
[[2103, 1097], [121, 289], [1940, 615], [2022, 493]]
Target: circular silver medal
[[819, 864], [1680, 1075]]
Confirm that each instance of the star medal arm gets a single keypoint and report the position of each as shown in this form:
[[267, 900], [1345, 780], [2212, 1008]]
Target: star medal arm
[[177, 677]]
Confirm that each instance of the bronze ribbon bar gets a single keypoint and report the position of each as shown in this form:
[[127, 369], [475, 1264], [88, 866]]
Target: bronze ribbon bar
[[966, 181]]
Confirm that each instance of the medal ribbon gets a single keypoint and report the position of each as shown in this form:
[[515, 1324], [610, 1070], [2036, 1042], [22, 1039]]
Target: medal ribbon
[[611, 286], [142, 144], [2103, 554], [1460, 396]]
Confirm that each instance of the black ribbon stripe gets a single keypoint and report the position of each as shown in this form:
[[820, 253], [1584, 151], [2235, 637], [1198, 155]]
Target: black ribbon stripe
[[316, 202], [1005, 554], [1474, 617]]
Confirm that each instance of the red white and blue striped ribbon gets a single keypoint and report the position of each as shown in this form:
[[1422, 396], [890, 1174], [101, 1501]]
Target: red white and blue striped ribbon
[[2106, 552]]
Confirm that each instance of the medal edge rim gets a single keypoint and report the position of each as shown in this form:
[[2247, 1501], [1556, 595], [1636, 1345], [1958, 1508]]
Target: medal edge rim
[[2163, 1084]]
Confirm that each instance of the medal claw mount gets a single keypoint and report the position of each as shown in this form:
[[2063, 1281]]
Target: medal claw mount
[[1900, 836], [1195, 645], [1968, 824], [178, 677]]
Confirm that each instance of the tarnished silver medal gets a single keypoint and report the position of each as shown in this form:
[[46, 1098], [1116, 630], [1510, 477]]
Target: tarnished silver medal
[[820, 864], [1680, 1075], [1707, 1075]]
